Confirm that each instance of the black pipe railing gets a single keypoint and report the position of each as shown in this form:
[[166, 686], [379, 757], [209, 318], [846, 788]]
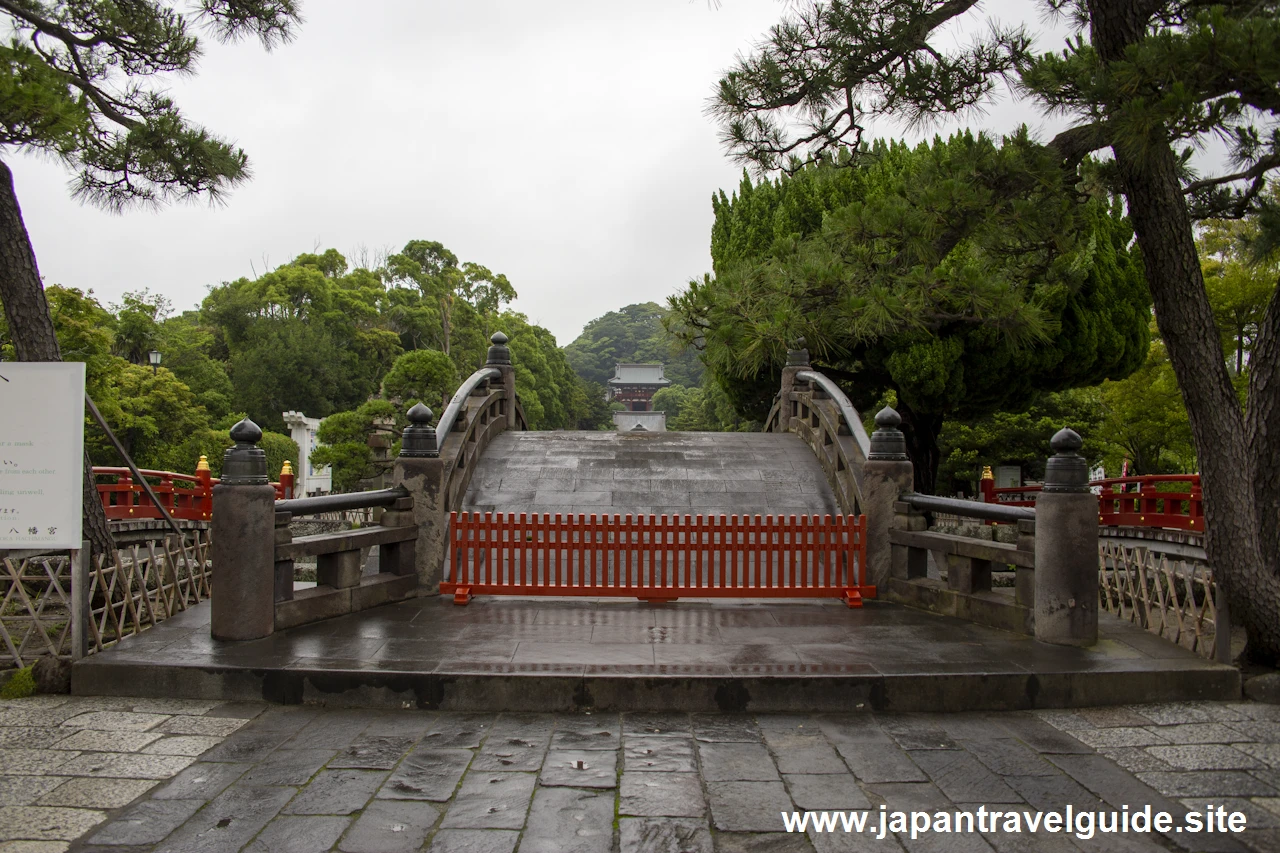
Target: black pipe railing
[[971, 509], [340, 503]]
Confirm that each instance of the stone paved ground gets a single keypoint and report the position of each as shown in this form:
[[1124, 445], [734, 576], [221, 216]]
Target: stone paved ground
[[307, 779], [66, 763]]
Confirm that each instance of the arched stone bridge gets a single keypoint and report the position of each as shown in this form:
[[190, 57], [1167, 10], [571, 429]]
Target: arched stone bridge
[[811, 507]]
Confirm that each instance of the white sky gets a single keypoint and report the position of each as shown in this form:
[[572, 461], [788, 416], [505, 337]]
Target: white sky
[[561, 142]]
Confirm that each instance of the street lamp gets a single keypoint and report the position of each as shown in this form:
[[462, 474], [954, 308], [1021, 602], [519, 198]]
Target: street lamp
[[154, 358]]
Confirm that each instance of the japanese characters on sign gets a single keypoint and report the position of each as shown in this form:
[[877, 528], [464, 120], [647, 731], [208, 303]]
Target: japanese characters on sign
[[41, 454]]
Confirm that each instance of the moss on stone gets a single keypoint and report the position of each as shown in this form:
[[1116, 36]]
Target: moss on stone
[[20, 685]]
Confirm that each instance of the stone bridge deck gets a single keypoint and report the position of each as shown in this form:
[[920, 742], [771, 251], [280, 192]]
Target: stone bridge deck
[[674, 473]]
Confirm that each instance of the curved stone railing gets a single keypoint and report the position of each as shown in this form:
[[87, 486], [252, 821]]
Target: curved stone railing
[[436, 464], [814, 408], [480, 412]]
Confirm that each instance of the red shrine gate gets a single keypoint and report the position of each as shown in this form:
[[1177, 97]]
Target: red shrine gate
[[657, 558]]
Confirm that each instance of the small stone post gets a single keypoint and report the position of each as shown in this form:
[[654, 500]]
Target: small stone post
[[1066, 548], [797, 360], [243, 606], [420, 470], [500, 357], [887, 475]]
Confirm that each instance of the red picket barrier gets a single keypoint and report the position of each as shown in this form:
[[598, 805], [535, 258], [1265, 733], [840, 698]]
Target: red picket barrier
[[658, 558]]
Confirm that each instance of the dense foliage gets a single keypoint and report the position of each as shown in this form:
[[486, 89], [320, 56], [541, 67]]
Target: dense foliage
[[923, 272], [312, 335], [633, 334], [1147, 81]]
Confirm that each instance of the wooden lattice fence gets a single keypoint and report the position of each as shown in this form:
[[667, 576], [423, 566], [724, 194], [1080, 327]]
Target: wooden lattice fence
[[133, 589], [1175, 598]]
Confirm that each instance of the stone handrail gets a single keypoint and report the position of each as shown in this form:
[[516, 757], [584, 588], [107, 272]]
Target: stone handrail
[[816, 410], [847, 411], [341, 585], [451, 412], [435, 465], [483, 417]]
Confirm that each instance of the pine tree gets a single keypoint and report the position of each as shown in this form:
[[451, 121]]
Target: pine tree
[[1146, 80], [74, 86]]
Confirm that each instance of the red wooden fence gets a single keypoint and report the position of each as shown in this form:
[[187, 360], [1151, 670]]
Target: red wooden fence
[[125, 499], [1128, 501], [658, 558]]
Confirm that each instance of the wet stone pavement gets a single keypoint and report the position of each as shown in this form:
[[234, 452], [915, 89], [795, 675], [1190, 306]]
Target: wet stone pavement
[[304, 778]]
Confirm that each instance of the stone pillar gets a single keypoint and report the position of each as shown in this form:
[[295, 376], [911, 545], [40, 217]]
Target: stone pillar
[[500, 357], [797, 360], [1066, 548], [420, 471], [886, 476], [243, 606]]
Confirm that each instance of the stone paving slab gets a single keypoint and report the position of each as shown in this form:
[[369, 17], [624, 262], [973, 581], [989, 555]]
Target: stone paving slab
[[67, 762], [640, 782]]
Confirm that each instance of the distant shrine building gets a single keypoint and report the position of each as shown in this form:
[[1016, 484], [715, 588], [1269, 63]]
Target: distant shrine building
[[634, 385]]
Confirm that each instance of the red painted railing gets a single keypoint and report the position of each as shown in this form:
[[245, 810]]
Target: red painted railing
[[1128, 501], [658, 558], [126, 499]]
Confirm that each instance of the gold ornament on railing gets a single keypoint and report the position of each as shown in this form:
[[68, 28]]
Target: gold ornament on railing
[[203, 464], [986, 473]]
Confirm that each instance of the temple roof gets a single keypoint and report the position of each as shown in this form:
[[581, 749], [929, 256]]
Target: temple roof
[[639, 374]]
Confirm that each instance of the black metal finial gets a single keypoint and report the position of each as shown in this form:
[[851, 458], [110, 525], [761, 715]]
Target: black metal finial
[[888, 418], [888, 444], [499, 353], [246, 432], [420, 414], [1066, 470], [418, 441], [245, 464], [1066, 440]]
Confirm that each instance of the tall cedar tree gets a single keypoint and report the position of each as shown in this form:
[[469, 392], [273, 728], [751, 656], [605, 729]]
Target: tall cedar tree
[[1150, 80], [74, 85]]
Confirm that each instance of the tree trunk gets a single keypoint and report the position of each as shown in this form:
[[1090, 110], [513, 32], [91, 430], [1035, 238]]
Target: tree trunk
[[921, 431], [1230, 468], [1227, 465], [1262, 431], [31, 328]]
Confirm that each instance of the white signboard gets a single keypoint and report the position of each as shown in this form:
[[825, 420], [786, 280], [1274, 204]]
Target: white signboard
[[41, 454]]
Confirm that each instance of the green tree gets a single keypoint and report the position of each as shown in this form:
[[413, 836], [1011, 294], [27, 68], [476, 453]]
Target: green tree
[[421, 375], [1018, 438], [344, 444], [635, 335], [674, 400], [1240, 286], [187, 345], [306, 336], [1145, 421], [553, 396], [76, 88], [428, 285], [153, 415], [1150, 80], [928, 275], [137, 325]]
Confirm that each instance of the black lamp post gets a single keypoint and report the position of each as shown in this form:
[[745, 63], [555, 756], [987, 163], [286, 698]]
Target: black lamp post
[[154, 358]]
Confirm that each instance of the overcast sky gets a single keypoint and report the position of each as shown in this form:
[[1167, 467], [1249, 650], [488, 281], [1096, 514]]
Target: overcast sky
[[561, 142]]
